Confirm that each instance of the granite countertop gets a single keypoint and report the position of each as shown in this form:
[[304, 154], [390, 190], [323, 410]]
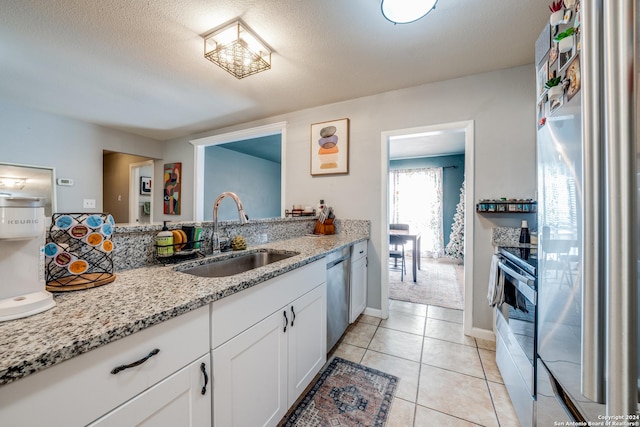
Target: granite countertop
[[138, 298]]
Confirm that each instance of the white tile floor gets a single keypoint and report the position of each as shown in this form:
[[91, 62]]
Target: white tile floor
[[446, 378]]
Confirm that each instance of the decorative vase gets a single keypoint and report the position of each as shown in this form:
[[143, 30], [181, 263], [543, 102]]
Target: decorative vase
[[566, 44], [555, 92], [556, 17]]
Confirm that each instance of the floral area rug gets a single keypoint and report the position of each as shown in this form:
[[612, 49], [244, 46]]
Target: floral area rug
[[440, 282], [345, 394]]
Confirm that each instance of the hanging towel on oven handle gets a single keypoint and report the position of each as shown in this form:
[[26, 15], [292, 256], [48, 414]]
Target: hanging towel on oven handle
[[495, 291]]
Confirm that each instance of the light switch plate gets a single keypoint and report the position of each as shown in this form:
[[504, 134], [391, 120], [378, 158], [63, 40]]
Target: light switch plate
[[89, 203]]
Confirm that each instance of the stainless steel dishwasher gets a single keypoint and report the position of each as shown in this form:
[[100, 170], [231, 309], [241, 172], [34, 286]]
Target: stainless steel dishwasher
[[338, 292]]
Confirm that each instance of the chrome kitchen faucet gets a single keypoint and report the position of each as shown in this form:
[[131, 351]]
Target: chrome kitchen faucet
[[215, 238]]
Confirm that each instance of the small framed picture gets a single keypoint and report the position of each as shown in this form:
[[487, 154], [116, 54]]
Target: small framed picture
[[145, 185], [543, 76], [565, 58], [553, 54], [555, 104], [330, 147], [573, 76]]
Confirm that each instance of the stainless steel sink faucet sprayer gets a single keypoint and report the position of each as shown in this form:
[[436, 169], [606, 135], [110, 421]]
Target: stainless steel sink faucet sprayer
[[215, 238]]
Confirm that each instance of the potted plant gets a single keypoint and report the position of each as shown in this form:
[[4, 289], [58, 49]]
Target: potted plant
[[565, 40], [556, 90], [557, 12]]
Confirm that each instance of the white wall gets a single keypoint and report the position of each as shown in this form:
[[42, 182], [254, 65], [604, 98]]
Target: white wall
[[502, 106], [72, 147]]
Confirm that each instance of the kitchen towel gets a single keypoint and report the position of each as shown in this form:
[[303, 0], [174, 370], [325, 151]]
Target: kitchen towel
[[495, 292]]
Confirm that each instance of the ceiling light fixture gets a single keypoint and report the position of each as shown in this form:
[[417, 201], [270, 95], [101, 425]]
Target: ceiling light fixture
[[406, 11], [237, 50], [11, 182]]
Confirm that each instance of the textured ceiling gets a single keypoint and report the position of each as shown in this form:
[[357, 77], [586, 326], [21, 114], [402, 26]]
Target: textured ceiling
[[138, 65]]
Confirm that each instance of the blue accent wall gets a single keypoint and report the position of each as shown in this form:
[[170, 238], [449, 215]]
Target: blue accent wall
[[451, 182], [256, 181]]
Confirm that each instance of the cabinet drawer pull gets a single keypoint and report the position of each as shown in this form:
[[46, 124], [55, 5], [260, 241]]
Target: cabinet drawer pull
[[294, 316], [286, 321], [203, 368], [136, 363]]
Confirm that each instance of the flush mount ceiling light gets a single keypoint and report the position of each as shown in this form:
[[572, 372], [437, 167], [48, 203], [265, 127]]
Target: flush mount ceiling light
[[11, 182], [406, 11], [238, 51]]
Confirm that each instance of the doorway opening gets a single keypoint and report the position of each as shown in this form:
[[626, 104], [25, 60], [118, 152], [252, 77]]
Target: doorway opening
[[424, 170], [122, 187], [140, 194]]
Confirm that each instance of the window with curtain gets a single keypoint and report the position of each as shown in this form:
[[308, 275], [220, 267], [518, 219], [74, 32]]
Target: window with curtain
[[416, 199]]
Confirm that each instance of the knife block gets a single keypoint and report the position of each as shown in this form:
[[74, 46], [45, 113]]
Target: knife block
[[325, 228]]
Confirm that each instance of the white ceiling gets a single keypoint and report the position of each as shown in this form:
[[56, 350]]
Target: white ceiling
[[429, 144], [138, 65]]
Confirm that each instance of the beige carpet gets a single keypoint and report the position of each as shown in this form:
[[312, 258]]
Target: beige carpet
[[440, 282]]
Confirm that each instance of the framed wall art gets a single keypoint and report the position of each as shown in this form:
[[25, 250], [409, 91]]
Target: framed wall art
[[330, 147], [145, 185], [172, 184]]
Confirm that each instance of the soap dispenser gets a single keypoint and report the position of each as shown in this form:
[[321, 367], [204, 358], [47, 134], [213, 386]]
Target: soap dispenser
[[164, 241]]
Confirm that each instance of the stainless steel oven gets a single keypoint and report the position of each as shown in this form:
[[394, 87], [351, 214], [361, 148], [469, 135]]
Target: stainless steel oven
[[516, 329]]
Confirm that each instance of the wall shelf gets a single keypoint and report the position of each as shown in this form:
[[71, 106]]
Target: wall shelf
[[507, 206]]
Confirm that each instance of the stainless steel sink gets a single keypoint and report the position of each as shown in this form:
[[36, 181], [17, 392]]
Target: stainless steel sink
[[239, 264]]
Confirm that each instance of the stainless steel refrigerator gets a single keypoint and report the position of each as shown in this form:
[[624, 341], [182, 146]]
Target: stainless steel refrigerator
[[587, 329]]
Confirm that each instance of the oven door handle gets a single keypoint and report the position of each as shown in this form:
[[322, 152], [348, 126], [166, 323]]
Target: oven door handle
[[529, 293], [515, 275]]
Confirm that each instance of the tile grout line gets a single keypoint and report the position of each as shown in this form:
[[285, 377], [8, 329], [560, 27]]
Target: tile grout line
[[424, 330], [486, 381]]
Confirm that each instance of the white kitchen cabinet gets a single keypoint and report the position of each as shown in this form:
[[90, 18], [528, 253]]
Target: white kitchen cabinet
[[183, 399], [83, 389], [358, 280], [307, 340], [259, 372], [250, 376]]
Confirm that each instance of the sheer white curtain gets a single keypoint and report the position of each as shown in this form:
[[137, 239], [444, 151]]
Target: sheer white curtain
[[416, 199]]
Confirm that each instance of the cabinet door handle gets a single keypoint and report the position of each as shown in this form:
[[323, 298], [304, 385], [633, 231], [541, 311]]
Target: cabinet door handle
[[286, 321], [293, 313], [203, 368], [136, 363]]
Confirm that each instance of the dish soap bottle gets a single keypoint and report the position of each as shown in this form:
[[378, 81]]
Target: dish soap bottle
[[164, 242], [525, 237]]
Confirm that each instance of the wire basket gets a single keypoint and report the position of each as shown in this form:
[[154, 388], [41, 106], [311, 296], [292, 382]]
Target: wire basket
[[79, 252], [180, 252]]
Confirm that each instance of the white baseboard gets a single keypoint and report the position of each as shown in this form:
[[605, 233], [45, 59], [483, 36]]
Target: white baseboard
[[483, 334]]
